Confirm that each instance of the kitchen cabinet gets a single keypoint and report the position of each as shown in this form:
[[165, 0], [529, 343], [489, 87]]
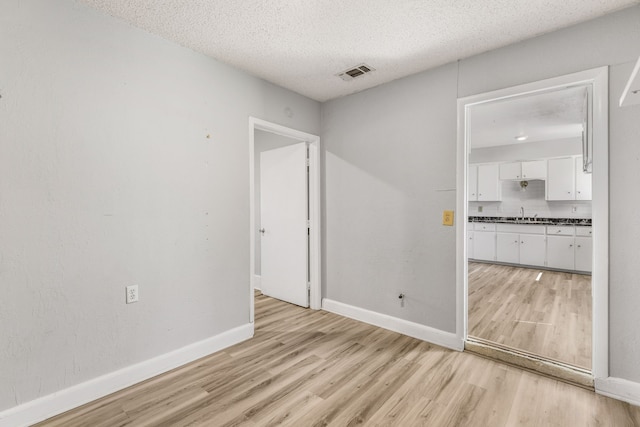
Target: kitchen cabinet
[[566, 180], [583, 181], [584, 249], [472, 183], [483, 183], [533, 169], [560, 184], [532, 249], [484, 242], [583, 253], [508, 247], [560, 252], [469, 240], [563, 247], [525, 244]]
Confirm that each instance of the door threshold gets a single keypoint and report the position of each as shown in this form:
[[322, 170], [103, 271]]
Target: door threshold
[[530, 362]]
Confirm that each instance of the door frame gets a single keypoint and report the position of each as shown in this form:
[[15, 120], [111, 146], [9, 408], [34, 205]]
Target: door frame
[[315, 296], [598, 79]]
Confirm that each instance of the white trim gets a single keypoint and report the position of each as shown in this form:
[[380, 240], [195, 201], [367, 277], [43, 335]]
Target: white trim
[[56, 403], [314, 208], [257, 282], [598, 79], [415, 330], [618, 388]]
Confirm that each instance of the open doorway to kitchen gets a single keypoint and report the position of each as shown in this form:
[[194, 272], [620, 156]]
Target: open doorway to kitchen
[[533, 263]]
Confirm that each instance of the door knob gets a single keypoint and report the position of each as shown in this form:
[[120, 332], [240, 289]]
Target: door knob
[[261, 230]]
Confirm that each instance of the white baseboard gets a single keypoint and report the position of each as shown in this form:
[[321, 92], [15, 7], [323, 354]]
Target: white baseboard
[[72, 397], [618, 388], [415, 330], [257, 282]]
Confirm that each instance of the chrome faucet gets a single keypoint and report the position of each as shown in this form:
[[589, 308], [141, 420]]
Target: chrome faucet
[[522, 212]]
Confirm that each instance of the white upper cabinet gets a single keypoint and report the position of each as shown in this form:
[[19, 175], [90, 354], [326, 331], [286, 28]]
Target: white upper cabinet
[[566, 179], [511, 170], [583, 181], [483, 183], [561, 179], [488, 183], [534, 169], [472, 183]]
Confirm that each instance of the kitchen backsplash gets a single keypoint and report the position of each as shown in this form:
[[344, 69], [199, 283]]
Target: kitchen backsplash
[[532, 199]]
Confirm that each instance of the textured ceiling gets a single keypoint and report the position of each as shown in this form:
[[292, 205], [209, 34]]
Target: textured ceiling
[[302, 44]]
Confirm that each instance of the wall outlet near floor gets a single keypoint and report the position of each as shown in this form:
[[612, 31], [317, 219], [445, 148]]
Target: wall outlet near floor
[[132, 294]]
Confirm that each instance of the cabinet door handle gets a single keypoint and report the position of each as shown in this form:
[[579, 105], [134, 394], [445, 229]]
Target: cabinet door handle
[[578, 245], [570, 246]]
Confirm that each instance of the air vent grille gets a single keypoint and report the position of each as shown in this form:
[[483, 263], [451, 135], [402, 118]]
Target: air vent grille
[[353, 72]]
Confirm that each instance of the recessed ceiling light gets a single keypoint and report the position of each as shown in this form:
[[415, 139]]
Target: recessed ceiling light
[[521, 138]]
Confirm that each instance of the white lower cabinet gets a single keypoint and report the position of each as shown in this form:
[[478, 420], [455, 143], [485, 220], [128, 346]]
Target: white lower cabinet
[[584, 253], [532, 249], [523, 248], [564, 247], [508, 247], [484, 245], [560, 252]]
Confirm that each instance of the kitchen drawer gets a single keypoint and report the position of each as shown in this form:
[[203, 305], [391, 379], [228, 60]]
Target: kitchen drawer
[[562, 230], [583, 231], [520, 228], [484, 226]]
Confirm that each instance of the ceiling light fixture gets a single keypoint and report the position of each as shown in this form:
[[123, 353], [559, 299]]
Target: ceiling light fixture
[[521, 138]]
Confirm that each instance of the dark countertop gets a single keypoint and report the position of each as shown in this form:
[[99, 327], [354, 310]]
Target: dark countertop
[[532, 220]]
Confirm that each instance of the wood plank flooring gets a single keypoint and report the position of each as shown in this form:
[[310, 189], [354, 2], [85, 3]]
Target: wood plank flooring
[[314, 368], [550, 318]]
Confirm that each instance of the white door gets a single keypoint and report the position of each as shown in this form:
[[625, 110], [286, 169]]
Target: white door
[[283, 217]]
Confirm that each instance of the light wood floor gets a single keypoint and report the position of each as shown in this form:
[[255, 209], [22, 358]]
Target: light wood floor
[[313, 368], [550, 318]]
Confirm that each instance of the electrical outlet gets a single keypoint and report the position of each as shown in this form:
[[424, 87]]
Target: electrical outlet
[[447, 218], [132, 294]]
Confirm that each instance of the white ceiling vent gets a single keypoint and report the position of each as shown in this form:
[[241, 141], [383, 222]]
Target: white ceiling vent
[[357, 71]]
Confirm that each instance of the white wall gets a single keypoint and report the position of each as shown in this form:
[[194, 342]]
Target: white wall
[[391, 149], [527, 151], [107, 179]]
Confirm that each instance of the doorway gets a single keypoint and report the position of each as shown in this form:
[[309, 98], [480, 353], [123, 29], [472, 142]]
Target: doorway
[[512, 226], [266, 136]]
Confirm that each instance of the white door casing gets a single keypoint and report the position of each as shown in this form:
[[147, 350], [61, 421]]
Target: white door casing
[[596, 80], [315, 232], [284, 241]]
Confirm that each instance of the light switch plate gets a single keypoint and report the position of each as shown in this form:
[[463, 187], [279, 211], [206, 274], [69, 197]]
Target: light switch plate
[[447, 218]]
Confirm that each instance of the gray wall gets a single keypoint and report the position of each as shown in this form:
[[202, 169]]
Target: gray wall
[[391, 150], [107, 179], [390, 170]]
